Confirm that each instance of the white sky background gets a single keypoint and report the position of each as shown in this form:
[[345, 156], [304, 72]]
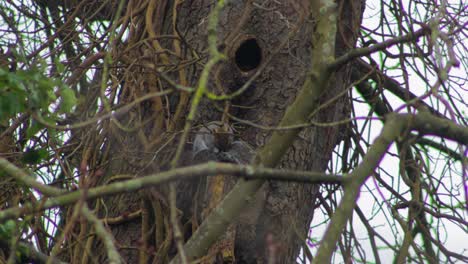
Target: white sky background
[[456, 238]]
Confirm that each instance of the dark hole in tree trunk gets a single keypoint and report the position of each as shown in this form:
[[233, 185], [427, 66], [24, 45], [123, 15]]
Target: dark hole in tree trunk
[[248, 55]]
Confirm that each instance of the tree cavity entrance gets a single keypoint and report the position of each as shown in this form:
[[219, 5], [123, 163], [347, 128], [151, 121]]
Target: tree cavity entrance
[[248, 55]]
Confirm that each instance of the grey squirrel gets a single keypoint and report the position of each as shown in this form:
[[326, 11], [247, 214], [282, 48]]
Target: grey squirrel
[[215, 142]]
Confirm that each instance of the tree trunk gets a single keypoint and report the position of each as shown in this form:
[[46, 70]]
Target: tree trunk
[[272, 37]]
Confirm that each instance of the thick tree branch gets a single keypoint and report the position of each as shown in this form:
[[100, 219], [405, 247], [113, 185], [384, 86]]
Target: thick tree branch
[[362, 69], [26, 179], [382, 109], [450, 152], [203, 170], [427, 124]]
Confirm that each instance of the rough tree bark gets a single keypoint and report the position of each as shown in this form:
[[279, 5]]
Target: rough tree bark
[[273, 37]]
